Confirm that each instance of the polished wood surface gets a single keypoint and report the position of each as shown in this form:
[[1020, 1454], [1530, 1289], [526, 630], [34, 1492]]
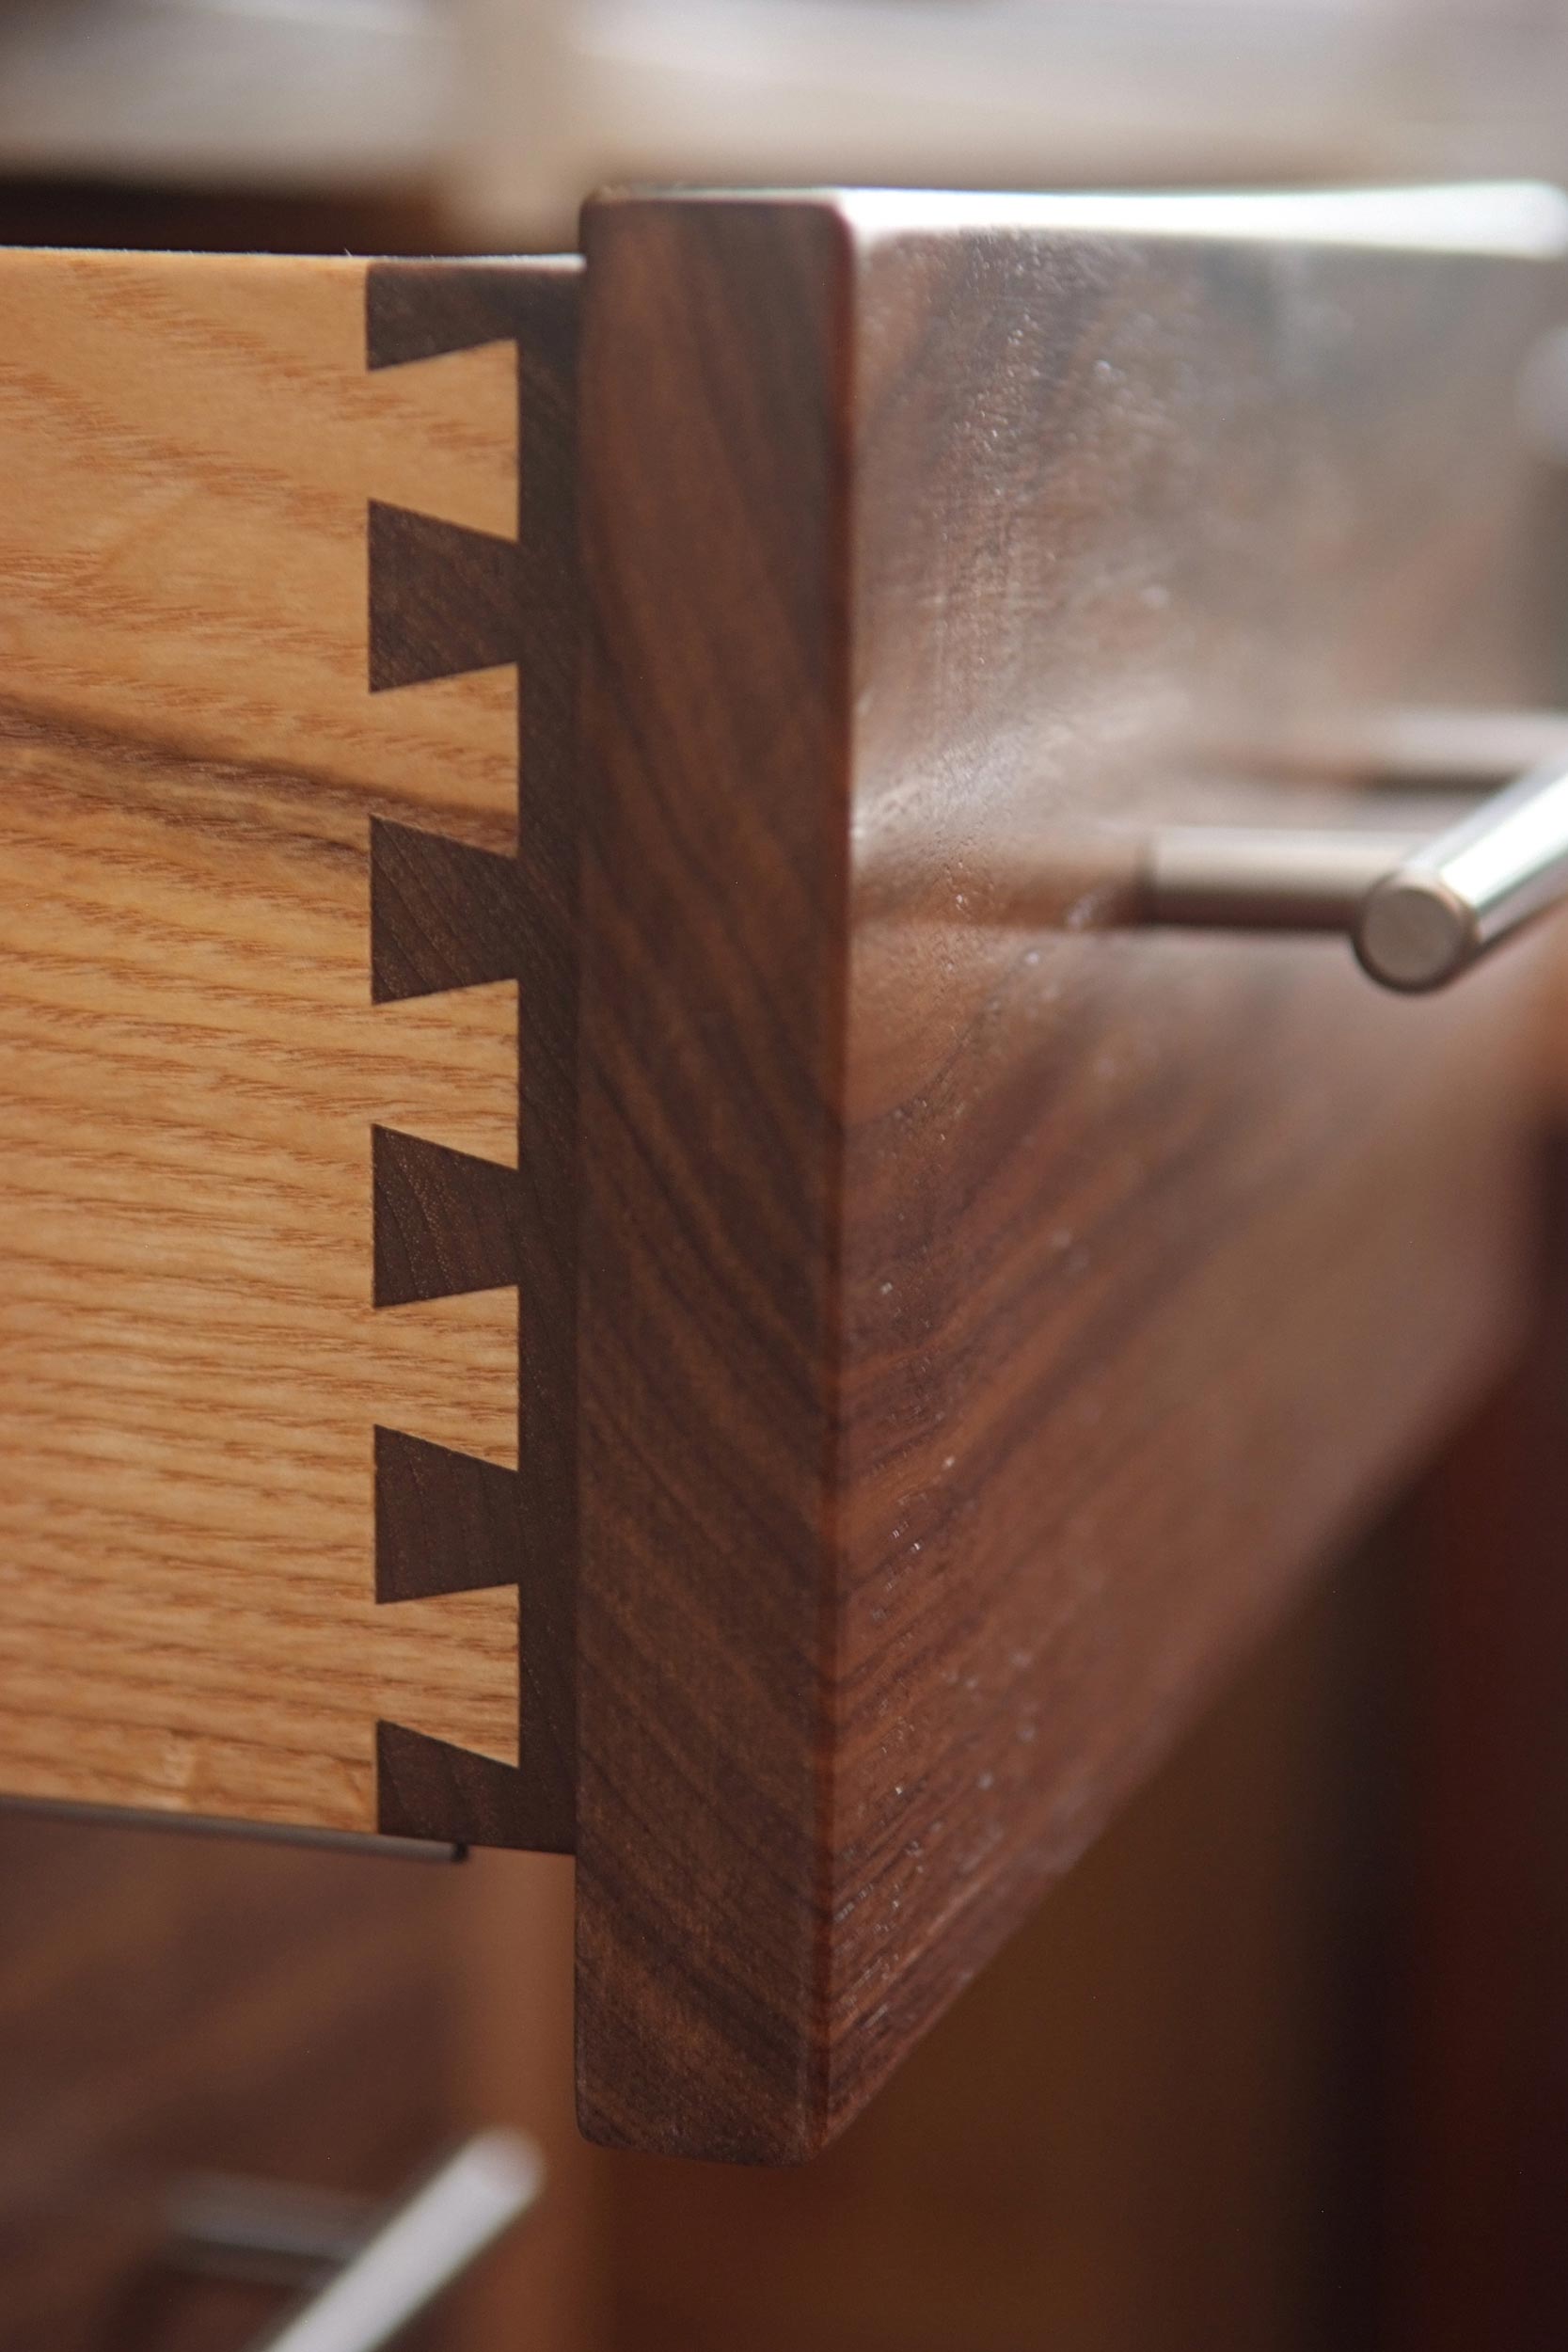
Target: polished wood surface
[[216, 678], [988, 1316]]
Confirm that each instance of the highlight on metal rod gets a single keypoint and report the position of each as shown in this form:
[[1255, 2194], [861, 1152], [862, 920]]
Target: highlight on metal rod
[[1417, 914]]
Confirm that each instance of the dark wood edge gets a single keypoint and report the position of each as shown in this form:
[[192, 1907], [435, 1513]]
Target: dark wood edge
[[716, 716]]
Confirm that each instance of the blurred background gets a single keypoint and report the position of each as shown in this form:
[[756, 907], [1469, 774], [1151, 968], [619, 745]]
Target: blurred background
[[484, 122], [1284, 2065]]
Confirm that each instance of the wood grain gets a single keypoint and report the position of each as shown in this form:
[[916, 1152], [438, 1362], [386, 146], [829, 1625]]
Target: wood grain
[[1475, 2135], [1151, 2125], [193, 1368], [986, 1320]]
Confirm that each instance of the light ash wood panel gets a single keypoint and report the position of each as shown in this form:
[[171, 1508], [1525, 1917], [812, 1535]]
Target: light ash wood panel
[[989, 1312], [190, 1062]]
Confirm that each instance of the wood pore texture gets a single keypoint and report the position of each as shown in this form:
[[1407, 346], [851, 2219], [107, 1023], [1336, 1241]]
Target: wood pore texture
[[261, 1488], [989, 1312]]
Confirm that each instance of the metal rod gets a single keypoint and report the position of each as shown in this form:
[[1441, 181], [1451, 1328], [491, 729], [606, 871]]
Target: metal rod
[[399, 2259], [1475, 884], [343, 1841], [266, 2232], [1225, 877], [1417, 914]]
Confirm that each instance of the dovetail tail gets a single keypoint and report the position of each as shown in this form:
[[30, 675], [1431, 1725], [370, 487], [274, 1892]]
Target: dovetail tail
[[443, 600], [444, 1221], [419, 309], [430, 1788], [444, 1522], [442, 915]]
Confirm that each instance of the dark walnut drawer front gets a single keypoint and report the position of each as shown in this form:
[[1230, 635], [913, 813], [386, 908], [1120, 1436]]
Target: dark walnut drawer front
[[576, 1042]]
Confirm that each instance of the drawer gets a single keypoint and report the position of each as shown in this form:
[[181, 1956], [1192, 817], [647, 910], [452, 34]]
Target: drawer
[[620, 1236]]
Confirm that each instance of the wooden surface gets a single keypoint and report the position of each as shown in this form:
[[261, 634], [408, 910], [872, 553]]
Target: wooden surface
[[1478, 2149], [174, 2005], [987, 1318], [194, 1365], [1152, 2126], [988, 1312], [171, 2005]]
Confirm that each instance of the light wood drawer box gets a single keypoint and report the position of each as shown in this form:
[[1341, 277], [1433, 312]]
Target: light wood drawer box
[[612, 1238]]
